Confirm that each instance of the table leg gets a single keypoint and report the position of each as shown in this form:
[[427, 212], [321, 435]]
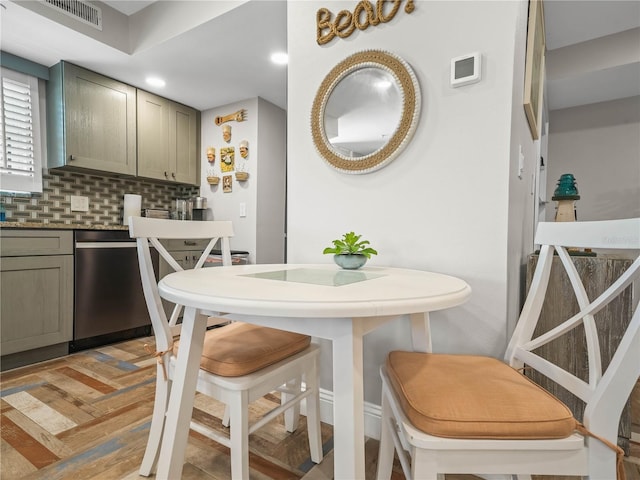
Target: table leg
[[179, 411], [420, 332], [348, 408]]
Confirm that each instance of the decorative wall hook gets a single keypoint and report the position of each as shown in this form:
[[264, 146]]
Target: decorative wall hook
[[239, 116]]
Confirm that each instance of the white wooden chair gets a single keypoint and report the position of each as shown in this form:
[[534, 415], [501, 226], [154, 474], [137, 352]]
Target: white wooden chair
[[470, 414], [240, 362]]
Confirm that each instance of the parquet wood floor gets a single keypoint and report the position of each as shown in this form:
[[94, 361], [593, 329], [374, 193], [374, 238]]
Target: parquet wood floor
[[87, 416]]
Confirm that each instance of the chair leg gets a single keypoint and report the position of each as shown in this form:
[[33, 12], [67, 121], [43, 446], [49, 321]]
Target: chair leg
[[225, 419], [602, 460], [291, 415], [150, 458], [239, 436], [424, 465], [313, 413], [386, 449]]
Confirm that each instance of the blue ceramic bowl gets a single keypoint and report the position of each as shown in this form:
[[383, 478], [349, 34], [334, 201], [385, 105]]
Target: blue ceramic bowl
[[350, 262]]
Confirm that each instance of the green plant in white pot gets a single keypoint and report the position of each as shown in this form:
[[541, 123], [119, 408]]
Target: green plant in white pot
[[350, 252]]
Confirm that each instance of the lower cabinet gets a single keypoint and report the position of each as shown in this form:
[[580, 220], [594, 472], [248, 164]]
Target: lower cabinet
[[36, 286], [186, 258], [560, 304], [185, 251]]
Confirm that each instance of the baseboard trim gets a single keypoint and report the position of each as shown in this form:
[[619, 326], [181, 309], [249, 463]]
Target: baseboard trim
[[372, 414]]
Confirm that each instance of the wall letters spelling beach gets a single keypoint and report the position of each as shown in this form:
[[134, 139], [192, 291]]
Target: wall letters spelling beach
[[363, 15]]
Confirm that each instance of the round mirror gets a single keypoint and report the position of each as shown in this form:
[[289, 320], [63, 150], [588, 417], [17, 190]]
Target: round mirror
[[365, 111]]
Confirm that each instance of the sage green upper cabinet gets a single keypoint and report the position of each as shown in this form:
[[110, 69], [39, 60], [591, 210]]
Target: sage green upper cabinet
[[167, 140], [91, 121]]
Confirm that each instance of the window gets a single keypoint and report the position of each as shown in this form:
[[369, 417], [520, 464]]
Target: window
[[20, 148]]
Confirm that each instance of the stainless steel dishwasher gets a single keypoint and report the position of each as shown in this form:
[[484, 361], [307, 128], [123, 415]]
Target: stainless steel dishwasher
[[109, 305]]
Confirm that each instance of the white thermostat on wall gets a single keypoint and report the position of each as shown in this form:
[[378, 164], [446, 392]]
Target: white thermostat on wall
[[466, 69]]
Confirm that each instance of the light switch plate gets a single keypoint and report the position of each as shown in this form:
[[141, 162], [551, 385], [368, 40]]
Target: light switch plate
[[520, 163], [79, 204]]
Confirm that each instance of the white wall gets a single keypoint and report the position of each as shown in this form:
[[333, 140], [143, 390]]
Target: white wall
[[270, 157], [523, 173], [576, 74], [600, 145], [261, 231], [444, 203]]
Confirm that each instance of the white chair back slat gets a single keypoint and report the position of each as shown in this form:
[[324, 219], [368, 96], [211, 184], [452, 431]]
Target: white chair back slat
[[206, 252], [226, 251], [147, 232], [532, 307], [554, 333], [164, 253], [588, 321], [188, 229], [604, 405], [612, 235], [606, 297], [622, 375], [575, 385], [164, 339], [589, 310], [175, 315], [624, 234]]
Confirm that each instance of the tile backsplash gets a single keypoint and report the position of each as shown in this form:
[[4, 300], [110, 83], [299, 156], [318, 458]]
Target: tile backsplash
[[106, 198]]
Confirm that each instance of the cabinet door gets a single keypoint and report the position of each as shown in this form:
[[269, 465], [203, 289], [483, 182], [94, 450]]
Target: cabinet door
[[37, 302], [100, 122], [175, 245], [153, 133], [167, 139], [28, 243], [183, 259], [183, 143]]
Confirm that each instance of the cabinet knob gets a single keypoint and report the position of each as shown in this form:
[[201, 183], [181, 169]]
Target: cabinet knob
[[166, 175], [71, 158], [173, 175], [190, 243]]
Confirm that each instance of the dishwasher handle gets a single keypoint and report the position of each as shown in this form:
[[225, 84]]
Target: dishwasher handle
[[105, 245]]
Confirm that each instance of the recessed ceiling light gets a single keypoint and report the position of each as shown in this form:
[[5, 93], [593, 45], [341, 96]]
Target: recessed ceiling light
[[280, 58], [155, 82]]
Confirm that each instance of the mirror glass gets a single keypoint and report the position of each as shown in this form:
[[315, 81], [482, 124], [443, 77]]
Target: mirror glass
[[362, 112], [365, 111]]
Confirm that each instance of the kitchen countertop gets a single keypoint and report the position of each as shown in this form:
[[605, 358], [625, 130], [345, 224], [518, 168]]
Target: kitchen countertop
[[61, 226]]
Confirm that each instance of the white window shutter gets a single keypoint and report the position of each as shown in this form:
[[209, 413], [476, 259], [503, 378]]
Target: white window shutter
[[20, 152]]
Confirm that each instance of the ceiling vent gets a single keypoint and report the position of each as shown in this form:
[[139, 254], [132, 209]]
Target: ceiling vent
[[78, 9]]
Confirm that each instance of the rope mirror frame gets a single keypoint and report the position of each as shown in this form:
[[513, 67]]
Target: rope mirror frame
[[411, 105]]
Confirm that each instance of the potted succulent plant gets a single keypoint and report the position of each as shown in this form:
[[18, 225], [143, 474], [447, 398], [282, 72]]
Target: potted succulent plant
[[350, 252]]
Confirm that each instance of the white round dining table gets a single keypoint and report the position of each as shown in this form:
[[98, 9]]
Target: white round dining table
[[323, 301]]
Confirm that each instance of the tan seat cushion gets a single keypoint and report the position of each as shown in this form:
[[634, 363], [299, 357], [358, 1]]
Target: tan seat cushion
[[240, 348], [467, 396]]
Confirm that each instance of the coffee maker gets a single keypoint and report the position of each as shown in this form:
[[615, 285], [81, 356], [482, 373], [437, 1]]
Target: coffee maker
[[199, 211]]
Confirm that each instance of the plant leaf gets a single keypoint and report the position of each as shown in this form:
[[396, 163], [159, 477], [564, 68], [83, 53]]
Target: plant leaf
[[350, 244]]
